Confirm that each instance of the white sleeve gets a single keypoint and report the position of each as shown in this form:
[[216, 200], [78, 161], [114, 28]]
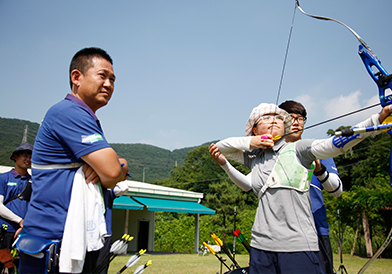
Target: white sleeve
[[233, 148], [7, 214], [241, 180], [331, 183], [120, 188], [325, 148]]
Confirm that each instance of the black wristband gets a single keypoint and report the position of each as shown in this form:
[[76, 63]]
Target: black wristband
[[321, 172]]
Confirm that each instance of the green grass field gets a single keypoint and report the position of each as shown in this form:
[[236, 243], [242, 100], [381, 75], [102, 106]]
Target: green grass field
[[209, 264]]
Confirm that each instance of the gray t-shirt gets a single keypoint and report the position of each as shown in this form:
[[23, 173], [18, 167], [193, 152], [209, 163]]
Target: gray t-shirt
[[284, 220]]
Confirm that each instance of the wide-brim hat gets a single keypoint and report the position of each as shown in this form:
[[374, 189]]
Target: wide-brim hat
[[21, 148], [264, 109]]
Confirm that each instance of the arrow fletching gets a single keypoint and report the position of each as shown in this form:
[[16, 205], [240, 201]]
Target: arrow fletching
[[217, 240], [118, 244], [135, 258], [236, 232], [141, 268], [209, 248]]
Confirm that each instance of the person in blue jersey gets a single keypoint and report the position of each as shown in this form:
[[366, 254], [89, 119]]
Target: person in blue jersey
[[70, 137], [12, 183], [284, 236], [331, 183]]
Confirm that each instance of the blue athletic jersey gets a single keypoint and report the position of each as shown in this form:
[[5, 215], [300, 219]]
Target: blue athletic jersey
[[11, 184], [316, 197], [69, 131]]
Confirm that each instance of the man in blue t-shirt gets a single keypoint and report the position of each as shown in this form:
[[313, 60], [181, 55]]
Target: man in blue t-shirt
[[12, 183], [70, 136]]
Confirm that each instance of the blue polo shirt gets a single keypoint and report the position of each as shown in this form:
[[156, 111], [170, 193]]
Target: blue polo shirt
[[316, 197], [68, 131], [11, 184]]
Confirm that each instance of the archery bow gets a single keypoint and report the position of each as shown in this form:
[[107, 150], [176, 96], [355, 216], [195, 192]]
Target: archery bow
[[384, 84], [373, 66]]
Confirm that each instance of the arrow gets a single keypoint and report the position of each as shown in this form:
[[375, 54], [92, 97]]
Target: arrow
[[242, 239], [213, 252], [140, 268], [118, 247], [122, 247], [356, 130], [133, 260], [119, 244], [220, 243]]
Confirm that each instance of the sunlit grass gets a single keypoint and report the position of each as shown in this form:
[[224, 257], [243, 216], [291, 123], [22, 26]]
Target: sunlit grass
[[209, 264]]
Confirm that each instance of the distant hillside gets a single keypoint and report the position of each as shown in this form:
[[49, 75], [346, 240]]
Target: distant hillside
[[11, 135], [156, 162]]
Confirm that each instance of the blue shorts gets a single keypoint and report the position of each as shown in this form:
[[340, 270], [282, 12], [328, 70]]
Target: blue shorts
[[303, 262]]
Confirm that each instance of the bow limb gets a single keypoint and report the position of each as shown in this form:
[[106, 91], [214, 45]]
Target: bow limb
[[378, 253], [361, 41], [373, 65]]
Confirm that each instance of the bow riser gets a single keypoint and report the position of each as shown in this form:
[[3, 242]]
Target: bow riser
[[378, 74], [383, 81]]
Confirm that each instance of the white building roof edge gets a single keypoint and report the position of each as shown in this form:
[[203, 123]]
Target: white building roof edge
[[147, 190]]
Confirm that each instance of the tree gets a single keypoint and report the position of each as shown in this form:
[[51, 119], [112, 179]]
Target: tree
[[201, 173], [223, 198], [198, 172], [364, 171]]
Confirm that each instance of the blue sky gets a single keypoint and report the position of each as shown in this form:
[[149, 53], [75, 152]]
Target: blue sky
[[190, 72]]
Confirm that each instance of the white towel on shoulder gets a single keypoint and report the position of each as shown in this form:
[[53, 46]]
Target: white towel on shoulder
[[85, 224]]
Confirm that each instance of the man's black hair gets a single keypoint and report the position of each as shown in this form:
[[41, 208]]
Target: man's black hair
[[83, 60], [293, 107]]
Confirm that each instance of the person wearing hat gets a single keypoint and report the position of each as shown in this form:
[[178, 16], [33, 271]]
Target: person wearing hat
[[331, 183], [284, 237], [12, 183]]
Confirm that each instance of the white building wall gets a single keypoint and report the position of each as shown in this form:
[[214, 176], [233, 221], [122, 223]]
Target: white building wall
[[134, 217]]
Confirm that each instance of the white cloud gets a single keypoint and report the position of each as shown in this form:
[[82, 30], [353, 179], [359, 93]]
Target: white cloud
[[351, 103], [342, 104], [307, 101]]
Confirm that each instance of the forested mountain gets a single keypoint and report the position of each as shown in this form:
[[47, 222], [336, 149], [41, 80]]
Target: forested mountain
[[11, 136], [156, 162]]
